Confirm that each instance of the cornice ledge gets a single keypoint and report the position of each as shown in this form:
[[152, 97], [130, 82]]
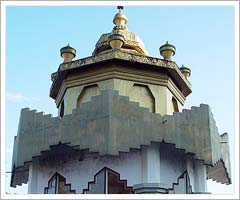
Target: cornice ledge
[[169, 66], [117, 54]]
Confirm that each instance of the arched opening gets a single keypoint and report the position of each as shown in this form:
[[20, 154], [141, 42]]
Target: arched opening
[[107, 181], [143, 95], [87, 93]]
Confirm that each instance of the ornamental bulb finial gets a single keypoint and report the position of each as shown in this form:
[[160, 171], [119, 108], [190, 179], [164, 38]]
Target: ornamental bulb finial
[[120, 20]]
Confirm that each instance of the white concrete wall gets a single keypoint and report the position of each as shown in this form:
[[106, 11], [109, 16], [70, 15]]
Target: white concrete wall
[[173, 164], [79, 173], [151, 164]]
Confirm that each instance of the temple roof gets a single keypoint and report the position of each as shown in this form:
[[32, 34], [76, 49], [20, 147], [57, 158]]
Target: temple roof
[[114, 130]]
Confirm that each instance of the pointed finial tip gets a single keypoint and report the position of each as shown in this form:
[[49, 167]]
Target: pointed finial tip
[[120, 7]]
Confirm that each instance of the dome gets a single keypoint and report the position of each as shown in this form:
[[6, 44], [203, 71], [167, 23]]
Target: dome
[[68, 49], [132, 41]]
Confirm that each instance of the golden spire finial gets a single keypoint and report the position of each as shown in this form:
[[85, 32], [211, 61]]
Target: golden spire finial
[[120, 38], [120, 20]]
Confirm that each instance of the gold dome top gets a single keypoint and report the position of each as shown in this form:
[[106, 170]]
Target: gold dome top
[[120, 20], [132, 42]]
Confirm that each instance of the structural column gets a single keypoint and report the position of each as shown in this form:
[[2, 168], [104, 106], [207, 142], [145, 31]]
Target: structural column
[[200, 177], [150, 170], [33, 177]]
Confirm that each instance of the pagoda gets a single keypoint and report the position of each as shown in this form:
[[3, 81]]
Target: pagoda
[[121, 127]]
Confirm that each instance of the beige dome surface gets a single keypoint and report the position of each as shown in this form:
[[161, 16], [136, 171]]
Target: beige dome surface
[[132, 43]]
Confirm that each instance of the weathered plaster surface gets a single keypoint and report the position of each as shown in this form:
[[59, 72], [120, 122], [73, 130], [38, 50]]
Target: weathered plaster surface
[[79, 173], [144, 167], [110, 124]]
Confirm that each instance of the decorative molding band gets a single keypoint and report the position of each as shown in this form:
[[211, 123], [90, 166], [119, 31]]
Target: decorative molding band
[[154, 63]]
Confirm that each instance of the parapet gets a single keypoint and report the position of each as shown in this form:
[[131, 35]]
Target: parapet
[[110, 124]]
